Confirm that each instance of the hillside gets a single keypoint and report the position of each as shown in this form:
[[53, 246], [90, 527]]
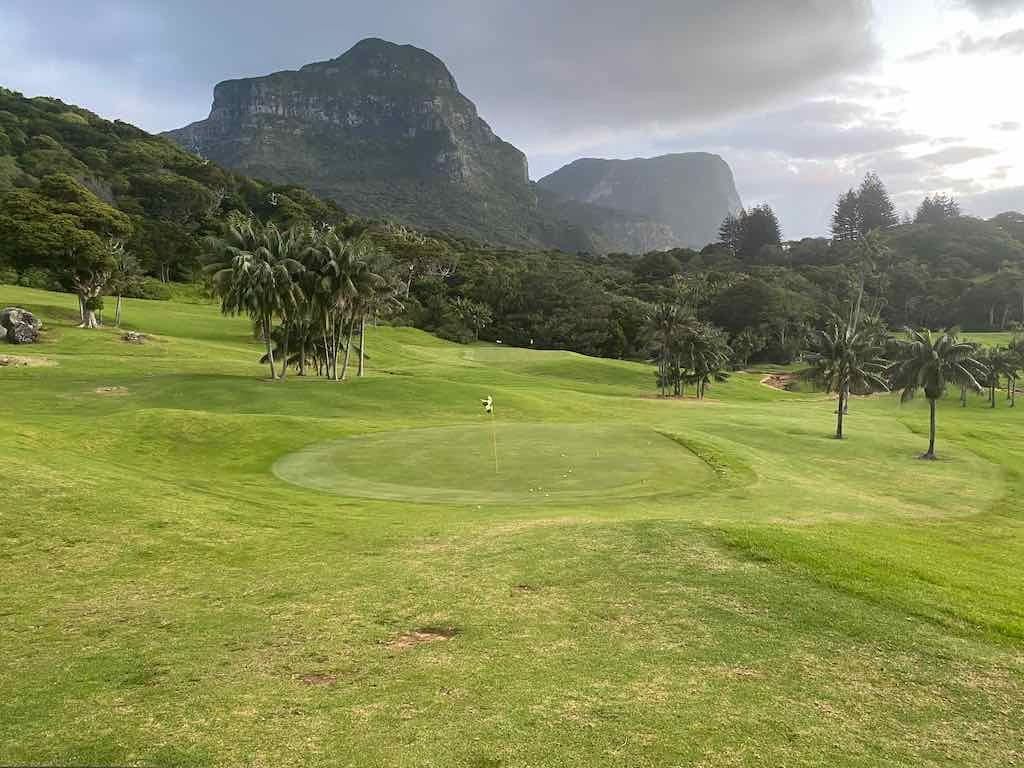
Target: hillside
[[385, 131], [69, 177], [689, 193], [202, 568]]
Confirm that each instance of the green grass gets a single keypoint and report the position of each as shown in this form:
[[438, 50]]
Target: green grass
[[717, 584], [991, 338]]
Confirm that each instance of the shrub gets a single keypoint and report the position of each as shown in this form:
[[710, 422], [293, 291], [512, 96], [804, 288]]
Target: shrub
[[36, 277], [8, 276], [153, 289]]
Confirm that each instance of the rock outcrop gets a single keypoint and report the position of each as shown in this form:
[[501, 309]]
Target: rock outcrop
[[19, 326], [383, 129], [689, 193]]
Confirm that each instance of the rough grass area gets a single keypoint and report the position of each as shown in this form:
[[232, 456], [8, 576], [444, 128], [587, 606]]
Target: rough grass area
[[778, 598]]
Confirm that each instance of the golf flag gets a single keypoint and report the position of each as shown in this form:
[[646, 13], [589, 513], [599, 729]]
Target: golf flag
[[488, 404]]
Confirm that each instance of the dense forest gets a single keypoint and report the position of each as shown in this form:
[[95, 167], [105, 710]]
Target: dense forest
[[77, 191]]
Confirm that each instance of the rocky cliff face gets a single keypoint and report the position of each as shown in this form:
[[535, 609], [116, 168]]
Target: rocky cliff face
[[384, 130], [690, 193]]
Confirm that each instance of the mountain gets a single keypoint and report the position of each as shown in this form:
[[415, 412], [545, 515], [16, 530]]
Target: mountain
[[385, 132], [690, 193]]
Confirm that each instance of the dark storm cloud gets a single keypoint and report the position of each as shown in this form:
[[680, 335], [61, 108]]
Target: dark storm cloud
[[538, 70]]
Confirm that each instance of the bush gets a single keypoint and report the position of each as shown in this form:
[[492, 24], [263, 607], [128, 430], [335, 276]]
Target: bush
[[36, 277], [8, 276], [153, 289]]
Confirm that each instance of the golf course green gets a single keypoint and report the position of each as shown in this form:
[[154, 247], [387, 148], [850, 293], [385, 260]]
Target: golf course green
[[514, 464], [201, 567]]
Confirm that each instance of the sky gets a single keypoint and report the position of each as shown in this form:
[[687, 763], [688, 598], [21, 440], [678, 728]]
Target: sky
[[801, 97]]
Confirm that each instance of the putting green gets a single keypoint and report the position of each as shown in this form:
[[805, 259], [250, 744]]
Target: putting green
[[537, 463]]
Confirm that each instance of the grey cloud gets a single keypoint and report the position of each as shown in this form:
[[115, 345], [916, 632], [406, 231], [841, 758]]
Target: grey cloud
[[993, 7], [541, 72], [957, 155], [1009, 42], [815, 130], [988, 204]]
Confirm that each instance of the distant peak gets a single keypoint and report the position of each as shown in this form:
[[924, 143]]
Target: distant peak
[[383, 58]]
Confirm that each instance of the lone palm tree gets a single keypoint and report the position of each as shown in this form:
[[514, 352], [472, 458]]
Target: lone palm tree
[[846, 360], [931, 362]]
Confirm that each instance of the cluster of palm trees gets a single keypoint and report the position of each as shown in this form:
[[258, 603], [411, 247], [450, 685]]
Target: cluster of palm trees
[[851, 358], [687, 351], [309, 292]]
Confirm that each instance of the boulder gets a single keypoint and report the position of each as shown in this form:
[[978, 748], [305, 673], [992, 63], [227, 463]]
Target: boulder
[[20, 326]]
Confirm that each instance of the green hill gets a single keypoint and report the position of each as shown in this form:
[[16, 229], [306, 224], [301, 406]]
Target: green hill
[[191, 577], [68, 176]]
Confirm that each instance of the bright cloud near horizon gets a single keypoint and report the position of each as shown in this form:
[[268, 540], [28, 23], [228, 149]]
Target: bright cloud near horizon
[[801, 97]]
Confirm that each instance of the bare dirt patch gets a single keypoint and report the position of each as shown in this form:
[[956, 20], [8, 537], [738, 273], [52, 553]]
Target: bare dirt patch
[[422, 636], [783, 381], [12, 361], [111, 391], [318, 679]]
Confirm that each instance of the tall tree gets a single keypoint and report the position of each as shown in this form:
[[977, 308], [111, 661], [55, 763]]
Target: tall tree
[[248, 278], [846, 223], [125, 277], [874, 206], [863, 210], [705, 353], [936, 209], [847, 360], [730, 233], [760, 228], [91, 268], [932, 362]]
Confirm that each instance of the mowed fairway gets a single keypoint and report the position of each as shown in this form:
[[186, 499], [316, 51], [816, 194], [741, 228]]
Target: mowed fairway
[[203, 568]]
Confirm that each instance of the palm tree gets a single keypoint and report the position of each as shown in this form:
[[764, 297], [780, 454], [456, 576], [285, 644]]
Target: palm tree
[[331, 263], [706, 354], [846, 360], [284, 249], [379, 297], [249, 279], [1016, 355], [1002, 363], [931, 362], [669, 323]]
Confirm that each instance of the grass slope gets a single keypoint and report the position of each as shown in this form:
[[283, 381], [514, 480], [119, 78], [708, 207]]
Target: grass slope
[[783, 599]]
